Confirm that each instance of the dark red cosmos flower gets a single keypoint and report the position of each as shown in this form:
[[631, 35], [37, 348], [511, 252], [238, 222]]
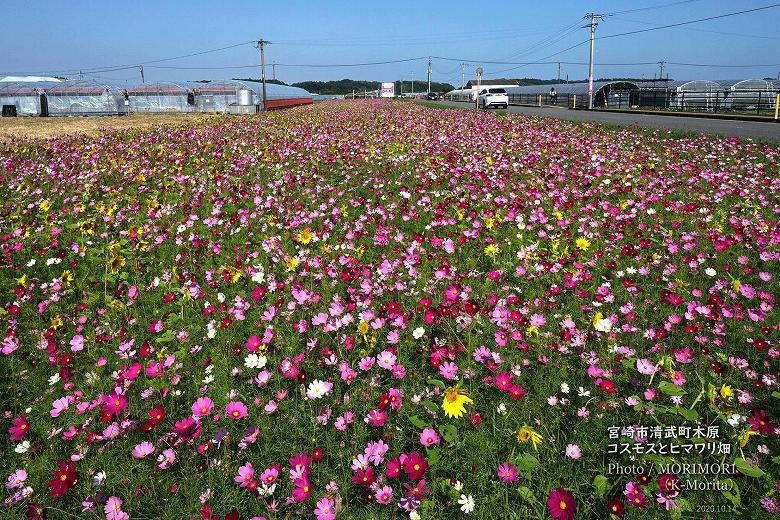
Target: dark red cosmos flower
[[365, 477], [616, 507], [608, 386], [187, 429], [415, 466], [668, 483], [760, 423], [318, 454], [35, 511], [64, 479]]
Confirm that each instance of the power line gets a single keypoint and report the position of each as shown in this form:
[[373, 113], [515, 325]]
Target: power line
[[688, 22], [113, 68], [697, 29], [349, 64], [722, 66], [650, 8]]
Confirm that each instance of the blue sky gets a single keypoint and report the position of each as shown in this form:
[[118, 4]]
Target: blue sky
[[79, 34]]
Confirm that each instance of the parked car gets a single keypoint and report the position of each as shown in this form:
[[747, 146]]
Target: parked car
[[493, 97], [432, 96]]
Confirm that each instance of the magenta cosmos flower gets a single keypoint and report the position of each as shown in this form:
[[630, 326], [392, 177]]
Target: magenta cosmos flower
[[507, 472], [561, 504]]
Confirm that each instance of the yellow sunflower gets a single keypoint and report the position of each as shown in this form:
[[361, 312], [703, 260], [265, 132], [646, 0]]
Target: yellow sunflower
[[454, 399]]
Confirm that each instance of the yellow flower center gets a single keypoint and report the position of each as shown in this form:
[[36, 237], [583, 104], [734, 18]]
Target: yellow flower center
[[562, 504]]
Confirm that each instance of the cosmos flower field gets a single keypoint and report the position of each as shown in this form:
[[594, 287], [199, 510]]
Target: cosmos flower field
[[385, 310]]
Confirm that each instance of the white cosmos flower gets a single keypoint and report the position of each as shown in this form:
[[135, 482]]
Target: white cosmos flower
[[710, 271], [582, 392], [255, 361], [564, 388], [317, 389], [22, 447], [603, 325], [418, 333], [466, 503]]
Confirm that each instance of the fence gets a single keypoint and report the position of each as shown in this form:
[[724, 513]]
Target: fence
[[758, 102]]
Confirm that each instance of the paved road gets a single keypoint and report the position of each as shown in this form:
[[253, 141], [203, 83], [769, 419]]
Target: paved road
[[728, 128]]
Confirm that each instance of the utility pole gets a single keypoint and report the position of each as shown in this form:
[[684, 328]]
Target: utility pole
[[412, 84], [463, 74], [273, 69], [592, 26], [261, 43], [142, 74], [661, 63], [429, 73], [559, 72]]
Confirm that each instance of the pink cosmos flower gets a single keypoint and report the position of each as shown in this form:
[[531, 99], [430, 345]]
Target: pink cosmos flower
[[142, 450], [384, 495], [236, 410], [270, 475], [429, 437], [246, 474], [253, 343], [77, 343], [113, 509], [645, 366], [376, 418], [202, 407], [573, 451], [156, 327], [507, 472], [166, 459], [326, 509], [302, 490], [537, 320], [16, 479]]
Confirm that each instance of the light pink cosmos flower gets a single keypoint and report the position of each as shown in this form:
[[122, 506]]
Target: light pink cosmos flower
[[143, 449], [77, 343], [166, 459], [16, 479], [645, 366], [573, 451], [113, 509], [429, 437], [326, 509]]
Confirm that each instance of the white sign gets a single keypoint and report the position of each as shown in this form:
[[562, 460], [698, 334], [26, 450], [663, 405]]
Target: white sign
[[387, 90]]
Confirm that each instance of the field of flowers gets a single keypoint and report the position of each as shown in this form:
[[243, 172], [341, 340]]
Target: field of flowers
[[384, 310]]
